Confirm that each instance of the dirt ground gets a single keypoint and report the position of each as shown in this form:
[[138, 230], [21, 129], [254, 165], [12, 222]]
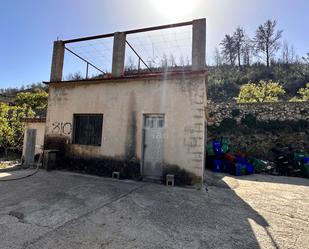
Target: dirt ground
[[67, 210]]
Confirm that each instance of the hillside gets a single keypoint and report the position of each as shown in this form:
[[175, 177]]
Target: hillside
[[225, 81], [8, 94]]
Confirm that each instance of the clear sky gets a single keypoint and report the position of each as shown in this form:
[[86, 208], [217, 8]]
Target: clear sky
[[28, 28]]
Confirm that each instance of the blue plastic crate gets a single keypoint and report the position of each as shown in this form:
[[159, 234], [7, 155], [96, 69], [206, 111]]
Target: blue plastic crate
[[240, 169], [240, 159], [226, 166], [249, 169], [217, 147], [217, 167]]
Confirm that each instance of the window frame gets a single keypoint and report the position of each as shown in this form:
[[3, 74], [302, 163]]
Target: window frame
[[158, 116], [75, 115]]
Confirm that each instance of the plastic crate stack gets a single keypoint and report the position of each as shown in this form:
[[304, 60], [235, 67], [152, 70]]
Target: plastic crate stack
[[302, 160], [219, 160]]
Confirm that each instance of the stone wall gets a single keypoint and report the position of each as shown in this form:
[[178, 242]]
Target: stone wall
[[261, 127], [281, 111]]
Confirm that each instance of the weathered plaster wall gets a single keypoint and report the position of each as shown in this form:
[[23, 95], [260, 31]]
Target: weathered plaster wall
[[40, 132], [259, 128], [182, 99]]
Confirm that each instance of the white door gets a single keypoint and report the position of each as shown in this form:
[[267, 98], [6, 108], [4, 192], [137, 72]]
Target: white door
[[153, 146]]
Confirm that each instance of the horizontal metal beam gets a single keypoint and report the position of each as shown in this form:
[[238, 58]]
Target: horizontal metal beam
[[84, 60], [168, 26], [174, 25], [89, 38]]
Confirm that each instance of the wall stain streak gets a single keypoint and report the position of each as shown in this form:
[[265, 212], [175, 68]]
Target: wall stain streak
[[130, 146]]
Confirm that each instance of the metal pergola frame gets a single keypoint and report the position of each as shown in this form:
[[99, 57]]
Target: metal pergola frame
[[134, 31]]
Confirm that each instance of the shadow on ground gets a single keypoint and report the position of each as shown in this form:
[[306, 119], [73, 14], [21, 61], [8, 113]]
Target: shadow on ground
[[67, 210], [237, 212]]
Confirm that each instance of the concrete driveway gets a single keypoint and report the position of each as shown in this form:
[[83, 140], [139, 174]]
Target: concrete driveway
[[67, 210]]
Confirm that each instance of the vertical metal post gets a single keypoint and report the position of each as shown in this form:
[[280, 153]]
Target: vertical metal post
[[139, 64], [87, 67]]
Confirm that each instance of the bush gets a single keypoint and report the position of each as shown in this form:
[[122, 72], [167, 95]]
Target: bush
[[264, 91]]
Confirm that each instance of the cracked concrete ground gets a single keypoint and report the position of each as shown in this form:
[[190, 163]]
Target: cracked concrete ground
[[67, 210]]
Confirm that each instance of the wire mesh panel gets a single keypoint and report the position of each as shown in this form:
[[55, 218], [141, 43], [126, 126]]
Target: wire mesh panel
[[159, 49], [97, 55], [155, 49]]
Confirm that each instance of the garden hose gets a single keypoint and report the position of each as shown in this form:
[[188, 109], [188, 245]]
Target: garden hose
[[26, 176]]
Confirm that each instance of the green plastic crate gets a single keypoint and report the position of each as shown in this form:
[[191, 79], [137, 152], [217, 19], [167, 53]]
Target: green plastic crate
[[298, 157], [225, 148], [209, 149], [306, 170], [225, 144], [258, 165]]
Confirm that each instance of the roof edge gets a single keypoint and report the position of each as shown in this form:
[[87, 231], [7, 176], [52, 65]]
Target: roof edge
[[165, 75]]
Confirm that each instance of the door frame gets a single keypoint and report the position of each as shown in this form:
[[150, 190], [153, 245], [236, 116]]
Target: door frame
[[144, 115]]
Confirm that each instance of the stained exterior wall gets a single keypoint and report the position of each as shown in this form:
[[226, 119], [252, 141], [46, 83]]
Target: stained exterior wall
[[181, 99], [40, 132]]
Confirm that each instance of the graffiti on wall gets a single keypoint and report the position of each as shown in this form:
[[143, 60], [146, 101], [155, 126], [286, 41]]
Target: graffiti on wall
[[62, 128]]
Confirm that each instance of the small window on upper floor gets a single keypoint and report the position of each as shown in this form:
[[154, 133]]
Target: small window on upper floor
[[88, 129]]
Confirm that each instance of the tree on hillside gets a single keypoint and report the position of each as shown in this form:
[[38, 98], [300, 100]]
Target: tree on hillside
[[217, 57], [229, 51], [264, 91], [239, 40], [306, 58], [130, 64], [247, 51], [32, 100], [75, 76], [288, 54], [164, 61], [267, 40], [11, 126]]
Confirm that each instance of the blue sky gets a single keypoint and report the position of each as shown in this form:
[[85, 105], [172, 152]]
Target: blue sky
[[28, 28]]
